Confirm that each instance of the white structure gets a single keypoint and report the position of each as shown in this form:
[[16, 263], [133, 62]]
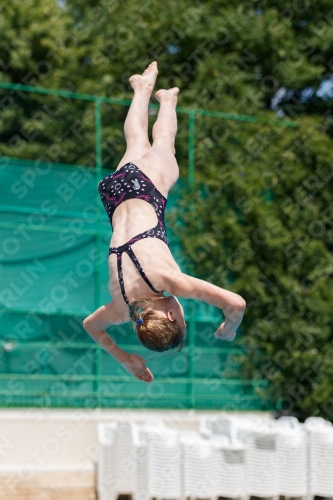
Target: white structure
[[56, 450], [141, 467], [116, 460], [230, 469], [200, 466], [292, 445], [165, 465], [231, 457], [320, 456], [262, 463]]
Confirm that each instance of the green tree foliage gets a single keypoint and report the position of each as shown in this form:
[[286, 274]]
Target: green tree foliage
[[259, 221], [259, 218], [231, 58]]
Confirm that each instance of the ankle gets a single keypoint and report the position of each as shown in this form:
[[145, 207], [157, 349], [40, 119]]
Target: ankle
[[143, 90], [169, 105]]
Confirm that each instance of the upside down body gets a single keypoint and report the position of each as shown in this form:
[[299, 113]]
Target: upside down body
[[141, 264]]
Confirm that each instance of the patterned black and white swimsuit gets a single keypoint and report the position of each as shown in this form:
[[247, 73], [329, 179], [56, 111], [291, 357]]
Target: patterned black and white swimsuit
[[124, 184]]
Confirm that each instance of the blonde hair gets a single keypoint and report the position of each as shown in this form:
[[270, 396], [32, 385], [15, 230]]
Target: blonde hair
[[155, 333]]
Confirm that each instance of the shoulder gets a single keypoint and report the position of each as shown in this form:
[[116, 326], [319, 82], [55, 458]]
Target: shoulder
[[178, 283], [187, 287]]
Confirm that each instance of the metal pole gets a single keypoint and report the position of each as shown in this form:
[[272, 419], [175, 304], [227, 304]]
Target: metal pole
[[191, 350], [98, 172], [98, 274], [191, 149], [190, 180]]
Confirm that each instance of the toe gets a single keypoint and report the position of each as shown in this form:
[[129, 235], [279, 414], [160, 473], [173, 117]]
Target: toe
[[158, 94], [151, 67]]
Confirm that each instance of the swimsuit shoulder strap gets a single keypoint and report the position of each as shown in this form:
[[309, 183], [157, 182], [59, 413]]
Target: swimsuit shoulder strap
[[121, 278], [135, 261]]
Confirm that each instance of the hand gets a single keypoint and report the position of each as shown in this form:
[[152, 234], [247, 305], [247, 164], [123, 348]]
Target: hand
[[223, 335], [136, 365]]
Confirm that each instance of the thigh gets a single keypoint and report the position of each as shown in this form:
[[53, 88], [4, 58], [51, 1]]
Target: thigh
[[136, 150], [161, 167]]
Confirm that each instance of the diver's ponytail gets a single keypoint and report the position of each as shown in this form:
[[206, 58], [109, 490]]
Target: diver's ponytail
[[153, 332]]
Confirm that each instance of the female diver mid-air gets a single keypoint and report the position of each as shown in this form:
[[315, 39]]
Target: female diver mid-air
[[134, 197]]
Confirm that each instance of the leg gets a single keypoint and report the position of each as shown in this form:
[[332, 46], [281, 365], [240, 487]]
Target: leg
[[159, 162], [165, 128], [136, 123]]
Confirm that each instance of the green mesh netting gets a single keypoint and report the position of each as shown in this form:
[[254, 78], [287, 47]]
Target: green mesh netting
[[53, 273]]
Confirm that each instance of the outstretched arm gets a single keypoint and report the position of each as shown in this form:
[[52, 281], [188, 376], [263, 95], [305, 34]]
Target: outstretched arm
[[95, 326], [232, 304]]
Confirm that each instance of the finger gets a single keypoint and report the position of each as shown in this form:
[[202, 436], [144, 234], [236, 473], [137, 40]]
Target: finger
[[142, 369], [141, 373], [150, 376], [140, 358], [146, 374]]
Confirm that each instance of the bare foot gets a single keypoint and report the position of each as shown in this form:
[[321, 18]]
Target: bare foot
[[167, 94], [147, 79]]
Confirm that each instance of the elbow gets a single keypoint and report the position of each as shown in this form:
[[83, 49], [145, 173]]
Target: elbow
[[237, 306], [86, 323], [241, 304], [88, 326]]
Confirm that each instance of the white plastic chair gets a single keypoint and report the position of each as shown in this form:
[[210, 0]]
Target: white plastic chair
[[317, 423], [230, 465], [242, 427], [262, 464], [200, 466], [116, 463], [287, 422], [320, 456], [292, 448], [228, 435], [165, 466], [236, 429], [141, 491], [125, 456], [142, 436], [220, 425], [106, 471]]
